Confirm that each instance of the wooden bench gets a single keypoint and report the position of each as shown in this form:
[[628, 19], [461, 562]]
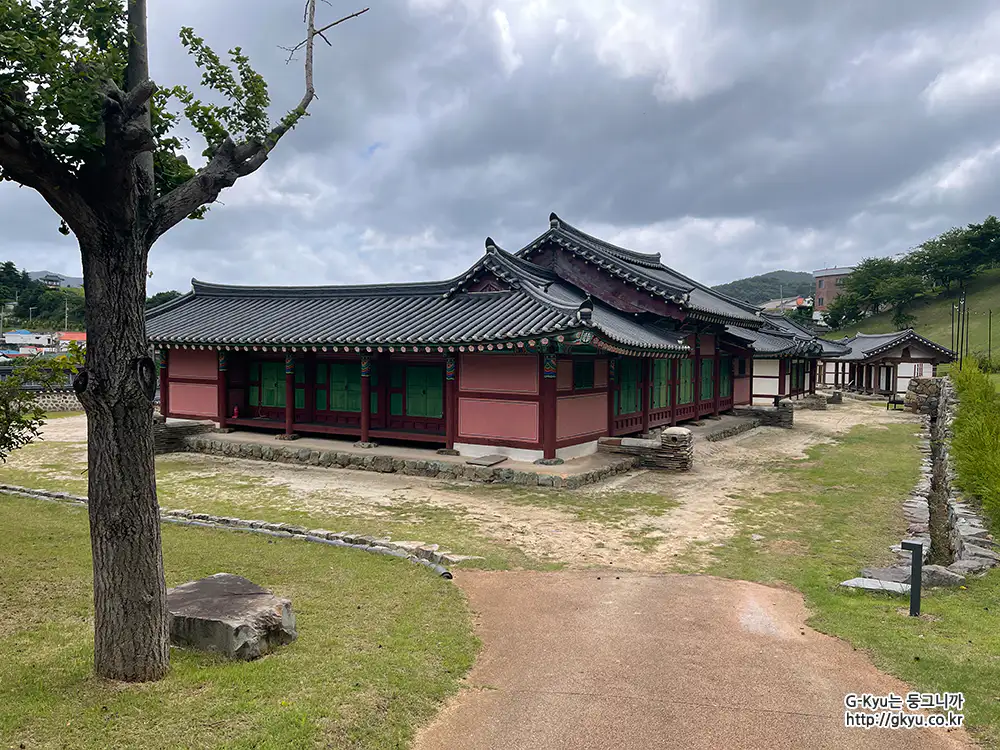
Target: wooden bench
[[895, 401]]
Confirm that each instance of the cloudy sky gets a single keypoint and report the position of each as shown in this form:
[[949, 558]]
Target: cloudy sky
[[732, 137]]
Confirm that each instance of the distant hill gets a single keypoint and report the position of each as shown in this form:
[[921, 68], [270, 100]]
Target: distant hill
[[933, 315], [759, 289]]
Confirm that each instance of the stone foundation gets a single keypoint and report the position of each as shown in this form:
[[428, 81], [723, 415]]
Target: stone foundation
[[169, 437], [446, 470], [61, 400], [674, 451], [814, 401], [769, 416], [732, 430]]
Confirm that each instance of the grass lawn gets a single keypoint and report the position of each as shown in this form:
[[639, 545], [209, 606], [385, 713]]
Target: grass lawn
[[61, 414], [381, 643], [995, 377], [843, 513], [934, 315]]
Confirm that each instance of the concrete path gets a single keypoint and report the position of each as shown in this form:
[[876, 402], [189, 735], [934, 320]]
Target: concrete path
[[596, 660]]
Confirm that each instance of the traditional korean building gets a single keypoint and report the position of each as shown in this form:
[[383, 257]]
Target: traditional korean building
[[533, 354], [883, 363]]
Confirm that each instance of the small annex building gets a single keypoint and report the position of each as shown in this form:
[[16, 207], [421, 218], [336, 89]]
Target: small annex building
[[534, 354], [883, 363]]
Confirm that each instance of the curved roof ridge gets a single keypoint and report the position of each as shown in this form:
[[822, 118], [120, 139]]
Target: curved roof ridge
[[630, 255], [210, 289]]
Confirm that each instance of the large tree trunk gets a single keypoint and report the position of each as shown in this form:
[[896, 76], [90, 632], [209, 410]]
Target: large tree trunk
[[131, 639]]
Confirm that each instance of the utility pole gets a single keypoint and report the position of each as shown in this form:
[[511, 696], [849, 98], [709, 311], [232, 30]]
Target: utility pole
[[989, 337], [953, 326], [66, 319]]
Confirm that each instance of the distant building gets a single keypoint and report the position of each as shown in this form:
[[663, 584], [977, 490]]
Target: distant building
[[829, 283], [787, 303], [56, 280], [65, 338], [22, 338]]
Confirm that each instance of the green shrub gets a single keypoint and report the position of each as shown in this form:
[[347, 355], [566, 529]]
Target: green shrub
[[976, 441]]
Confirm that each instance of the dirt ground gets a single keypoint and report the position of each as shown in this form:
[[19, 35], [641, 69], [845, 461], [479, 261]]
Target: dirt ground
[[582, 660], [545, 525]]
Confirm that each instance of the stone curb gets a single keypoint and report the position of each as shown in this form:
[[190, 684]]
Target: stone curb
[[444, 470], [415, 552], [733, 431]]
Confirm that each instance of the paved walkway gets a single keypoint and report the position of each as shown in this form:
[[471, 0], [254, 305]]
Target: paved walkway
[[596, 660]]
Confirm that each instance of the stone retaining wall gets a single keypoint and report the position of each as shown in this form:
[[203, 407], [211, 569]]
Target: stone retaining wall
[[61, 400], [673, 451], [170, 437], [733, 430], [291, 454], [769, 416], [814, 401]]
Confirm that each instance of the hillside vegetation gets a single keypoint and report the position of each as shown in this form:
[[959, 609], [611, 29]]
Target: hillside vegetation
[[759, 289], [932, 315]]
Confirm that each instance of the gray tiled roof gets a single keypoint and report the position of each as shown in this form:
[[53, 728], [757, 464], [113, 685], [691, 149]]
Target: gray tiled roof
[[864, 346], [646, 272], [537, 304], [780, 336]]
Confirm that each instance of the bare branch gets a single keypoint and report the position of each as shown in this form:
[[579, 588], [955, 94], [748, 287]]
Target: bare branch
[[231, 161]]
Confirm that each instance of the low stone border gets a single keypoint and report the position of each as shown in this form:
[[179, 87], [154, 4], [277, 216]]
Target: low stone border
[[813, 401], [782, 415], [934, 512], [751, 423], [673, 450], [447, 470], [427, 555]]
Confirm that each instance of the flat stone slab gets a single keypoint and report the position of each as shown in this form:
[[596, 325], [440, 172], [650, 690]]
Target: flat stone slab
[[491, 460], [874, 584], [899, 575], [230, 615]]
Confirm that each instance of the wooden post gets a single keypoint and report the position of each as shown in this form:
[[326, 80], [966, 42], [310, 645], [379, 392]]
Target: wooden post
[[716, 389], [674, 385], [289, 394], [646, 400], [612, 385], [222, 389], [450, 403], [812, 376], [366, 398], [164, 385], [549, 403], [697, 376], [782, 371], [750, 372]]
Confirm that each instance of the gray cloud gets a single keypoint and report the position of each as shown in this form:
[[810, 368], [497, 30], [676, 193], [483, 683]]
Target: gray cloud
[[733, 138]]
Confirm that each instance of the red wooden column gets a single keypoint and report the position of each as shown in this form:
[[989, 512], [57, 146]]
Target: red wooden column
[[450, 403], [366, 398], [697, 376], [674, 385], [164, 384], [646, 380], [548, 395], [716, 394], [812, 377], [612, 384], [222, 389], [289, 394], [782, 371]]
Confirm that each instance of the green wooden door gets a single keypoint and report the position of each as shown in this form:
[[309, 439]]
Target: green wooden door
[[660, 387], [629, 396], [685, 386], [272, 384], [726, 377], [707, 380], [424, 392]]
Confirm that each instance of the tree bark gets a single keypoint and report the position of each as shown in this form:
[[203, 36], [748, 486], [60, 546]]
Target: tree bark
[[131, 639]]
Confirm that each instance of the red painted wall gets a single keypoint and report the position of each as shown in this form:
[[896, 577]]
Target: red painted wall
[[480, 420], [194, 400], [564, 375], [577, 416], [499, 373], [707, 344], [741, 390], [601, 373], [193, 363]]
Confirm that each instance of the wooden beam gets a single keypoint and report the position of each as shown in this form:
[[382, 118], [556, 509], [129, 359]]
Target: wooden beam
[[366, 398], [645, 385], [450, 401], [164, 384], [674, 385], [222, 388], [549, 403], [289, 394]]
